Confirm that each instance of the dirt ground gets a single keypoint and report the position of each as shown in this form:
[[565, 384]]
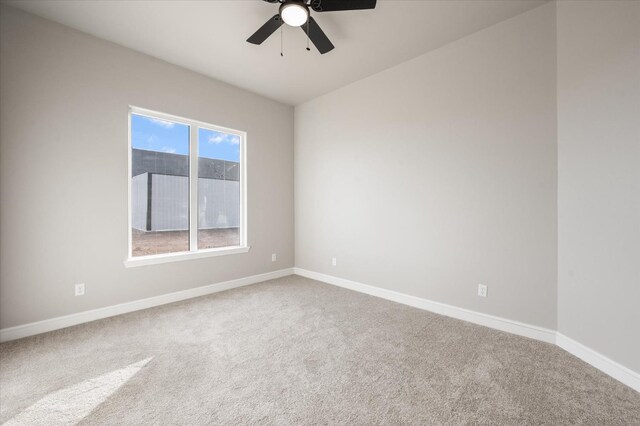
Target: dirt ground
[[147, 243]]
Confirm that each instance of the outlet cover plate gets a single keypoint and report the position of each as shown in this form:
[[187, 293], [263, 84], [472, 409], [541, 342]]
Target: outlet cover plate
[[79, 289], [482, 290]]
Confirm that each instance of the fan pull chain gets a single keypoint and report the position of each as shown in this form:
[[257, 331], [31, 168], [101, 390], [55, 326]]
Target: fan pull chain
[[308, 35], [281, 41]]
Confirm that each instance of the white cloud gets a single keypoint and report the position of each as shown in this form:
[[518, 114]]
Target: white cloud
[[164, 123], [168, 149], [224, 137], [218, 138]]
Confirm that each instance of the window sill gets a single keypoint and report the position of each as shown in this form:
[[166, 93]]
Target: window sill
[[177, 257]]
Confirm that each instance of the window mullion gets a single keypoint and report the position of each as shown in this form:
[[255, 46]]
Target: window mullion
[[193, 188]]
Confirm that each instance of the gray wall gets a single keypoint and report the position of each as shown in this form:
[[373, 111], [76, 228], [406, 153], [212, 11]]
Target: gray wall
[[64, 103], [427, 178], [440, 173], [599, 177], [145, 161], [176, 164]]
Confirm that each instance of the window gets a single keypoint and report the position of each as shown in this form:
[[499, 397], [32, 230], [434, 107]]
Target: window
[[186, 187]]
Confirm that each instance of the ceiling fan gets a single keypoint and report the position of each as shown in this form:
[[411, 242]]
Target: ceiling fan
[[296, 13]]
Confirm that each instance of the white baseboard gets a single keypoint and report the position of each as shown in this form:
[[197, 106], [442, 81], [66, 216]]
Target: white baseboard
[[34, 328], [597, 360], [498, 323]]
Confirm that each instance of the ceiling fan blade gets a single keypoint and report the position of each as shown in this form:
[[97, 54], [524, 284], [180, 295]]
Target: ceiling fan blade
[[266, 30], [337, 5], [317, 36]]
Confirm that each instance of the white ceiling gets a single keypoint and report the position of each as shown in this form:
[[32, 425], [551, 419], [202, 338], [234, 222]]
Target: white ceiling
[[209, 37]]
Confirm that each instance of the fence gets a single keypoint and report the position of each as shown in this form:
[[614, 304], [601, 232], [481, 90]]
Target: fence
[[160, 202]]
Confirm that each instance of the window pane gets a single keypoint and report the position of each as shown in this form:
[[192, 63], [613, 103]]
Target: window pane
[[159, 186], [218, 189]]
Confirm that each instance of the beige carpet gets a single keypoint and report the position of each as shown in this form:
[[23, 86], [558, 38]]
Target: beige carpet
[[296, 351]]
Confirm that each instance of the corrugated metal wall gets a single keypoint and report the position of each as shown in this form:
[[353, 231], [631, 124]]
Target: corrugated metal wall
[[218, 202], [139, 201], [169, 202]]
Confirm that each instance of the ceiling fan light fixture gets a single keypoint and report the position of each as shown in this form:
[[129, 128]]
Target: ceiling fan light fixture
[[294, 13]]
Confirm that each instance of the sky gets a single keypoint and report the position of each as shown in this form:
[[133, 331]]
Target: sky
[[154, 134]]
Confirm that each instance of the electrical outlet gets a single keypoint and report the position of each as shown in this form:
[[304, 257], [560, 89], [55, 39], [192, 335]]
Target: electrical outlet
[[482, 290], [79, 289], [334, 261], [274, 257]]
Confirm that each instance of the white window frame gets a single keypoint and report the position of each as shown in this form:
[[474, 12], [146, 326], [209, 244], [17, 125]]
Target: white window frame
[[193, 252]]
